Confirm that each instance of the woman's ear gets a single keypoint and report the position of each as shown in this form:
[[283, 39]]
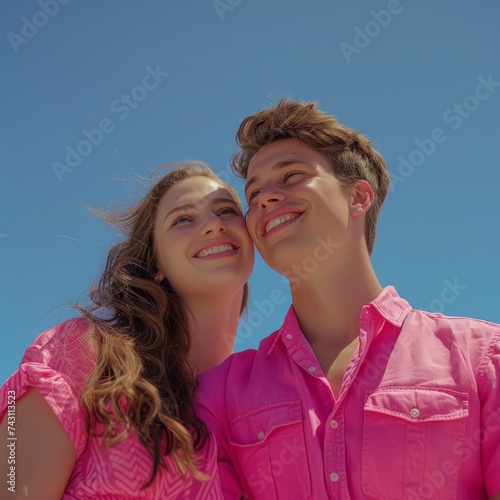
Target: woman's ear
[[362, 197], [158, 277]]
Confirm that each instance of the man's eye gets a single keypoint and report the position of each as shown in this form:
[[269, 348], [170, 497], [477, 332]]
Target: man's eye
[[253, 194], [288, 175]]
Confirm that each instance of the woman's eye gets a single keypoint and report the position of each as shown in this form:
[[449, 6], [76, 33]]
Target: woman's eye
[[182, 220], [228, 211]]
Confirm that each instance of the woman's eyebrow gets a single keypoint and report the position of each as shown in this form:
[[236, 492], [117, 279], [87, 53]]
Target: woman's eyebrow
[[220, 200], [191, 206], [180, 208]]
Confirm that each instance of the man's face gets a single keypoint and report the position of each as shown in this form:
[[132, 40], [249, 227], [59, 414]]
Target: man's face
[[296, 205]]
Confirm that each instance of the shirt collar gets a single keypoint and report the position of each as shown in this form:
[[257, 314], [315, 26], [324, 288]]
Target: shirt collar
[[290, 327], [391, 306], [388, 304]]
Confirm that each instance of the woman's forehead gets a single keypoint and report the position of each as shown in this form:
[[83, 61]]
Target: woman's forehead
[[199, 187], [197, 191]]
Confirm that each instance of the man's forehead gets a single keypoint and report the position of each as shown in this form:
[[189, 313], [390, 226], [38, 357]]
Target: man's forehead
[[280, 152]]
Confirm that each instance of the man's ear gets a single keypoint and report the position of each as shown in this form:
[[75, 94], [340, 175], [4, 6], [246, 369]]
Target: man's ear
[[362, 197]]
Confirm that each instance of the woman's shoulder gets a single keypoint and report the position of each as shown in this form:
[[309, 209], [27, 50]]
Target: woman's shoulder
[[57, 364], [71, 330], [68, 349], [71, 341]]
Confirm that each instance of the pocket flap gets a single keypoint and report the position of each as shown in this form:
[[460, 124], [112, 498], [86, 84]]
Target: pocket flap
[[254, 427], [419, 404]]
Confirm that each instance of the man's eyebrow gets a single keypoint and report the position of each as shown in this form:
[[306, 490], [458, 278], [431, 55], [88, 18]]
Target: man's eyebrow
[[277, 166]]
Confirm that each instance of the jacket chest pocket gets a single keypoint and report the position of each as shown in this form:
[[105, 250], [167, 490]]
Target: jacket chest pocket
[[268, 452], [411, 442]]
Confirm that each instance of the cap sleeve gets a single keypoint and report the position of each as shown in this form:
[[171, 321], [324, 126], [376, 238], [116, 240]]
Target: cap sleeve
[[57, 363]]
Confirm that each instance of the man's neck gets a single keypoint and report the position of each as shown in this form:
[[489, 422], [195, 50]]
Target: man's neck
[[328, 306]]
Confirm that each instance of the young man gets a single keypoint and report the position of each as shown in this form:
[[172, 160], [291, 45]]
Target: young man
[[357, 395]]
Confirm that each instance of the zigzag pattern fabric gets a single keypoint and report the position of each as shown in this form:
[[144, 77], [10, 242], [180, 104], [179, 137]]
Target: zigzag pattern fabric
[[57, 364]]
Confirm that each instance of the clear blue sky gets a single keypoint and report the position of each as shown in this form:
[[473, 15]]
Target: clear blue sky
[[422, 79]]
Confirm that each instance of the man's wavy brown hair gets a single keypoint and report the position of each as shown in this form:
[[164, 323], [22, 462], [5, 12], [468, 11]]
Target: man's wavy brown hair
[[143, 380], [349, 153]]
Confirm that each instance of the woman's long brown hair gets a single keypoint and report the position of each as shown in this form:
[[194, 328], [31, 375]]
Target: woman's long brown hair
[[142, 379]]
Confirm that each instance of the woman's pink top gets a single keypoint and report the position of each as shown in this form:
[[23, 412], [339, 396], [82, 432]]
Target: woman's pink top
[[57, 363]]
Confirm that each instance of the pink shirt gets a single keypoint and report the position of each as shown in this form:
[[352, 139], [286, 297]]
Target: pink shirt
[[57, 363], [418, 412]]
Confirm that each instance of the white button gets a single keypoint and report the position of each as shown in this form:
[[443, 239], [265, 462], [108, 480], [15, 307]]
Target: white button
[[260, 435], [334, 424], [334, 476], [415, 413], [289, 337], [312, 368]]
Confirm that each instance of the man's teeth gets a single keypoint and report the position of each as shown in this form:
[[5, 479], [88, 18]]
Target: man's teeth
[[216, 249], [278, 221]]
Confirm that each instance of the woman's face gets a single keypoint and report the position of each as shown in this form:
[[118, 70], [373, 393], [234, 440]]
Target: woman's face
[[201, 240]]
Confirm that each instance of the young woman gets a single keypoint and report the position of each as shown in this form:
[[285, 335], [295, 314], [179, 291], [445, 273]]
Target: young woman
[[102, 405]]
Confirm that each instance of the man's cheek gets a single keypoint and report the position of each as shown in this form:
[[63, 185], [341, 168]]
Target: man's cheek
[[252, 225]]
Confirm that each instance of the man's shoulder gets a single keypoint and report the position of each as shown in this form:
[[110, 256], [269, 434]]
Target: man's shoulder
[[460, 330], [456, 321], [242, 361], [246, 381], [398, 311]]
